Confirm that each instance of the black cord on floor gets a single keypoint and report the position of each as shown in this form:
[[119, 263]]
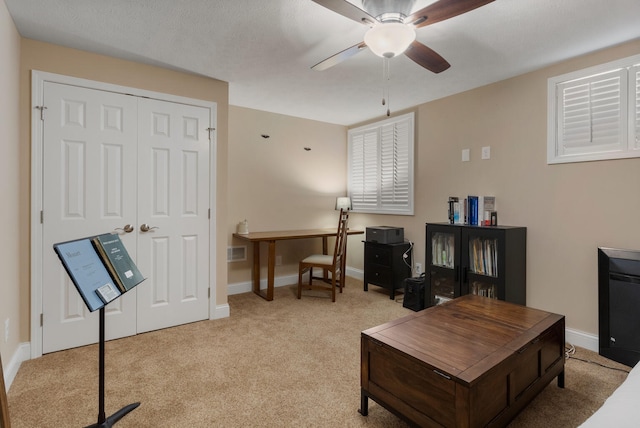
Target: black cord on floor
[[570, 350]]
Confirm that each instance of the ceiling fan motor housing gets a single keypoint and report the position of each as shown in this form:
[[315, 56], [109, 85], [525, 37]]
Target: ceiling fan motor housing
[[379, 8]]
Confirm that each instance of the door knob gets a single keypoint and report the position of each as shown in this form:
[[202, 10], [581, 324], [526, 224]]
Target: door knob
[[127, 228], [145, 227]]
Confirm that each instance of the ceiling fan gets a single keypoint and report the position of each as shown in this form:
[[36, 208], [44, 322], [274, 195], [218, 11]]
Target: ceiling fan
[[393, 28]]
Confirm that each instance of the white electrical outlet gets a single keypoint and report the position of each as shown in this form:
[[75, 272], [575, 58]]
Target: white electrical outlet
[[486, 152], [6, 330], [418, 268], [465, 155]]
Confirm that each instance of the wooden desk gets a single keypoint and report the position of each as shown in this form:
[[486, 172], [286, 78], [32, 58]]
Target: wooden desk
[[271, 237]]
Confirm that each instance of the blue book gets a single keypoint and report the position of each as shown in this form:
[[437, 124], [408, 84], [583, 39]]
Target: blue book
[[473, 210], [88, 273]]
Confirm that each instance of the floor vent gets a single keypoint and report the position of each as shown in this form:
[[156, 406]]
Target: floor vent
[[236, 254]]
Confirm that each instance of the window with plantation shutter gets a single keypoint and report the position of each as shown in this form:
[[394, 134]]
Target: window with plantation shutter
[[594, 113], [636, 106], [380, 170]]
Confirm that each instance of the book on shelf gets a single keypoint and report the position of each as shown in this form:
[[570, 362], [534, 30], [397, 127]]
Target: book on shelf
[[88, 270], [488, 207], [473, 210], [123, 270]]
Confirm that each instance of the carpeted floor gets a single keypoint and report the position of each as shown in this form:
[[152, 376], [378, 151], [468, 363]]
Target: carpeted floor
[[285, 363]]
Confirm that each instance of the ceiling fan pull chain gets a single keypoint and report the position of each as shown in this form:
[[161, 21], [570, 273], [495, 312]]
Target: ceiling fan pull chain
[[387, 70], [384, 102]]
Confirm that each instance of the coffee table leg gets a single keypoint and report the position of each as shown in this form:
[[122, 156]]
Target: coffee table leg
[[561, 380], [364, 403]]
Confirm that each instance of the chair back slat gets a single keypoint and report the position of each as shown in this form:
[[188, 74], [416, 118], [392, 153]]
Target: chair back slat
[[341, 239]]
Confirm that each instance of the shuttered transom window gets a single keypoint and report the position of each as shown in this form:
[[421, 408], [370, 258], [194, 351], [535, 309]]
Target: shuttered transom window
[[595, 113], [381, 166]]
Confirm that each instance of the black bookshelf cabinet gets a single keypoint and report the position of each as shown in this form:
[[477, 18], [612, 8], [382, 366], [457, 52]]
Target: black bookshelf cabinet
[[484, 260]]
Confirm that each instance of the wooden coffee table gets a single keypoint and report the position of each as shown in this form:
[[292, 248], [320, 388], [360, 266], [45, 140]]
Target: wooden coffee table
[[470, 362]]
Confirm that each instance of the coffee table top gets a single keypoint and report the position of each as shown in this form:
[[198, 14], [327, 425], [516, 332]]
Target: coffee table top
[[467, 336]]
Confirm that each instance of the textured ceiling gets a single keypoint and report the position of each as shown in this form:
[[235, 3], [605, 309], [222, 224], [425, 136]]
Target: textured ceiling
[[265, 48]]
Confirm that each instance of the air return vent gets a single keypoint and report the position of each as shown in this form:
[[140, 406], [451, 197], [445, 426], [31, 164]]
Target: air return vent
[[236, 254]]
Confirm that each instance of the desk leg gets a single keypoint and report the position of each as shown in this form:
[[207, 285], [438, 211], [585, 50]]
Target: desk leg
[[256, 268], [271, 269]]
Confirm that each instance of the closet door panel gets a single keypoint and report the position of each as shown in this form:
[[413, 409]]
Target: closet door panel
[[89, 188], [173, 177]]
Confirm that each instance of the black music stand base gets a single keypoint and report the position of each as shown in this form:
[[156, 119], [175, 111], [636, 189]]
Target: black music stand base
[[111, 420], [102, 420]]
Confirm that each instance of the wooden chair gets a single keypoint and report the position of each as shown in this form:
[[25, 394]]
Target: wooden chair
[[328, 263], [4, 405]]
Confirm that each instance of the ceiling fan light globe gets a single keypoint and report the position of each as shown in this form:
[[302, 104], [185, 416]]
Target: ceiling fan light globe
[[389, 39]]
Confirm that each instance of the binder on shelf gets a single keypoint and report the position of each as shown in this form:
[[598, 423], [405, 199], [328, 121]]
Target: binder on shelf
[[88, 271]]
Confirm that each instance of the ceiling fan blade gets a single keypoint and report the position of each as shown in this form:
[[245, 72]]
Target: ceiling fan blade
[[348, 10], [441, 10], [339, 57], [426, 57]]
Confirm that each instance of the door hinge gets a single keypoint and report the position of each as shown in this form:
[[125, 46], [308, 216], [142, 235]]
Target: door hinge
[[41, 216], [41, 320], [210, 130], [209, 214], [209, 290], [42, 109]]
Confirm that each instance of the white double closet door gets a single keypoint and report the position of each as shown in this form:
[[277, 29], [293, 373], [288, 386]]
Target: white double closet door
[[115, 162]]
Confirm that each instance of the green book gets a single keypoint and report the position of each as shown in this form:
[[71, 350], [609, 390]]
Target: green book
[[121, 267]]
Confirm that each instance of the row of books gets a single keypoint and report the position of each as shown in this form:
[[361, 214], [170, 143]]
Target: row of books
[[473, 210], [100, 267], [443, 249], [485, 290], [483, 256]]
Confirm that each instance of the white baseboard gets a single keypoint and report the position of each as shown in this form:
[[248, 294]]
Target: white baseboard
[[245, 287], [221, 311], [581, 339], [279, 281], [23, 353]]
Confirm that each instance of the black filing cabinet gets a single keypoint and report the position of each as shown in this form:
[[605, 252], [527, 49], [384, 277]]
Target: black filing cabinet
[[386, 265]]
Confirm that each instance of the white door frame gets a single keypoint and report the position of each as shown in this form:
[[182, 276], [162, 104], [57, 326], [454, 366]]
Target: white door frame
[[37, 162]]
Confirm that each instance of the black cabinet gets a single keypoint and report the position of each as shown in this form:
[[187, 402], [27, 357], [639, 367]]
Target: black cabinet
[[484, 260], [386, 265]]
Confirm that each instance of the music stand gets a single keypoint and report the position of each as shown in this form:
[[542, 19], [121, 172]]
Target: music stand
[[95, 275]]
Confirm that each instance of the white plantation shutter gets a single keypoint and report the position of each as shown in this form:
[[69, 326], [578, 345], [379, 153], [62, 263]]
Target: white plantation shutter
[[591, 117], [364, 175], [635, 134], [595, 113], [381, 166]]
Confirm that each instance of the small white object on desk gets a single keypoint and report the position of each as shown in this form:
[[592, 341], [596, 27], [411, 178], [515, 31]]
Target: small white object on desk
[[243, 228]]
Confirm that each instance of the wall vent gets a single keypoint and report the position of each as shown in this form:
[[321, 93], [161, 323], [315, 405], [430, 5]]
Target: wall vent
[[237, 254]]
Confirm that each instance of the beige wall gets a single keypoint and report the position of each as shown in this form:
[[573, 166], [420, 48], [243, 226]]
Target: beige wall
[[276, 185], [55, 59], [569, 210], [13, 242]]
